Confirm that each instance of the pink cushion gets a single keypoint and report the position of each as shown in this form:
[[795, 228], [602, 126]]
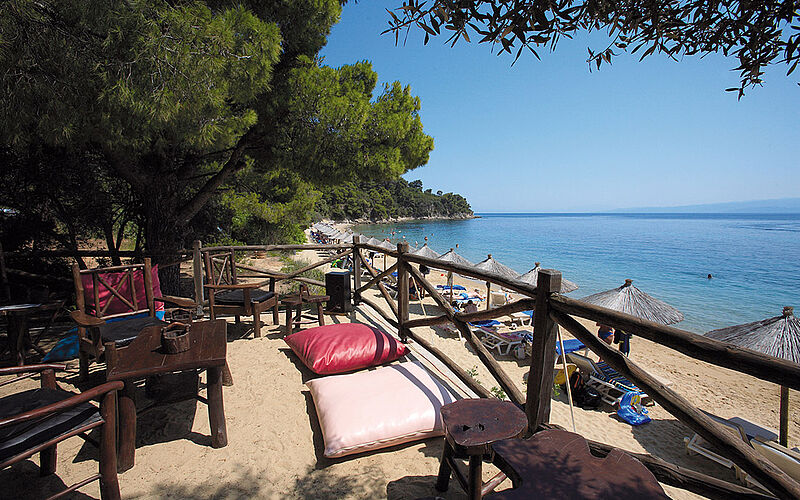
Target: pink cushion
[[114, 279], [378, 408], [344, 347]]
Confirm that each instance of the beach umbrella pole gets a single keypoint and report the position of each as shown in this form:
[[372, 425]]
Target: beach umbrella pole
[[566, 379], [784, 431]]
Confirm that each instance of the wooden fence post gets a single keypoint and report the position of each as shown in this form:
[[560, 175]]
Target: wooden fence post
[[402, 288], [356, 269], [543, 351], [197, 271]]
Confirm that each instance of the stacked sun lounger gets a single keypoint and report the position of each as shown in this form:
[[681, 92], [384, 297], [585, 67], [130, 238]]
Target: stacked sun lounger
[[762, 439]]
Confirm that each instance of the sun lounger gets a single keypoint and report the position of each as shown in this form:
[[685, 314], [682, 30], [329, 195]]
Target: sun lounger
[[522, 318], [604, 379], [570, 345], [742, 429], [782, 457], [503, 342]]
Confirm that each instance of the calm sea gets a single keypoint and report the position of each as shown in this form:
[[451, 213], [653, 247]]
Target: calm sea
[[754, 259]]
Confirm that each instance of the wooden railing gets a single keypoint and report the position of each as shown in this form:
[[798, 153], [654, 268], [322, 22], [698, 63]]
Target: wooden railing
[[554, 310]]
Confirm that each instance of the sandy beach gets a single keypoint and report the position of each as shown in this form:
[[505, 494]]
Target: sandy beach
[[275, 443]]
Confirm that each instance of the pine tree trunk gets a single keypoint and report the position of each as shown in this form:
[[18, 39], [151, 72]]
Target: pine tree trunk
[[163, 237]]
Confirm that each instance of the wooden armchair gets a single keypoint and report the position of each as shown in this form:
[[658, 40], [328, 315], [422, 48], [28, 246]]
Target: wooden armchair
[[114, 304], [36, 420], [229, 296]]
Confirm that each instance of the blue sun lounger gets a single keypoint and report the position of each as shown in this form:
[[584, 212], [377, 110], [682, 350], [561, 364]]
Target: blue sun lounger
[[604, 379]]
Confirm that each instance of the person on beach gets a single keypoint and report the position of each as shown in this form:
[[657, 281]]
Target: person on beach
[[606, 333], [471, 307], [424, 270]]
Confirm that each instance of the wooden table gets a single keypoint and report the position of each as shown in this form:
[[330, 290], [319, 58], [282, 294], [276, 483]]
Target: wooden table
[[19, 339], [294, 304], [470, 427], [145, 357]]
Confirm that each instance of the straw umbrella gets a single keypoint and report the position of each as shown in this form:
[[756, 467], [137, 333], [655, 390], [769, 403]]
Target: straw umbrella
[[492, 266], [388, 246], [452, 257], [778, 337], [532, 277], [630, 300], [425, 251]]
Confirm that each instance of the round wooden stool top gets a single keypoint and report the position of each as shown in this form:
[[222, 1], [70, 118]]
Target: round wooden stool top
[[472, 425]]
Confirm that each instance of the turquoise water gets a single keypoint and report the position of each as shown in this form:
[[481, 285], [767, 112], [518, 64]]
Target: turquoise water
[[754, 259]]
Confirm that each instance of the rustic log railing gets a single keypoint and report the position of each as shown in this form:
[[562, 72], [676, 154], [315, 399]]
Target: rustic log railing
[[554, 310]]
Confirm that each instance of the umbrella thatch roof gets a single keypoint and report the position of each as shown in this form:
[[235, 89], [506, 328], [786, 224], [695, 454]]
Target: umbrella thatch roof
[[374, 241], [451, 256], [388, 245], [347, 238], [532, 277], [425, 251], [492, 266], [630, 300], [778, 337]]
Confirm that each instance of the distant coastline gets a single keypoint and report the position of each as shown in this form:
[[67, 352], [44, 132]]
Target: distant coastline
[[780, 206], [395, 220]]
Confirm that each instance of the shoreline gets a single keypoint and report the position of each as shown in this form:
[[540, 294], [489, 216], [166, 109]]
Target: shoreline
[[348, 223]]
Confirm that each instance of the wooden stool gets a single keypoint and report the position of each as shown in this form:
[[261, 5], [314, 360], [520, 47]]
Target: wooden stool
[[558, 464], [294, 303], [470, 428]]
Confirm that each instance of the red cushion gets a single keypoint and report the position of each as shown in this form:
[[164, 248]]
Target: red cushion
[[344, 347]]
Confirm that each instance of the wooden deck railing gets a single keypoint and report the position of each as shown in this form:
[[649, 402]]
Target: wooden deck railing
[[553, 311]]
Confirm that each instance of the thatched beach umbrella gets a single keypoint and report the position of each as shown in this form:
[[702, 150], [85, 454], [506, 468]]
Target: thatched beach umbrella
[[630, 300], [492, 266], [388, 245], [532, 277], [452, 257], [778, 337], [425, 251]]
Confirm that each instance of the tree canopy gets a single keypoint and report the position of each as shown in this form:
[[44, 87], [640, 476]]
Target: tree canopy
[[758, 34], [383, 200], [179, 119]]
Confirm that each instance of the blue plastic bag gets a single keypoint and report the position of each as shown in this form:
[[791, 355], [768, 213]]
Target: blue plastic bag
[[631, 409]]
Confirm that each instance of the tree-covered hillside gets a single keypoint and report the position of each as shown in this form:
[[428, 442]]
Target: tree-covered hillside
[[389, 200]]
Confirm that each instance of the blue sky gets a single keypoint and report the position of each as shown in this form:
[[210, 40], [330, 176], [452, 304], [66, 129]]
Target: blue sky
[[551, 136]]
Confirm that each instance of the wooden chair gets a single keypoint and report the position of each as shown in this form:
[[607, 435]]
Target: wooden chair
[[36, 420], [229, 296], [114, 304], [296, 301]]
